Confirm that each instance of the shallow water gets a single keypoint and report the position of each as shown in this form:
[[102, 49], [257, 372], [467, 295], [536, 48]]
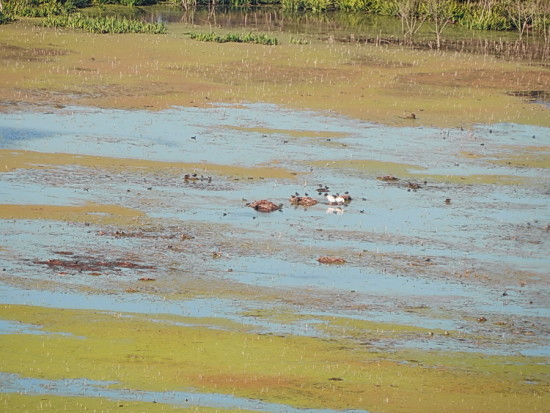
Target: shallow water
[[484, 254], [92, 388]]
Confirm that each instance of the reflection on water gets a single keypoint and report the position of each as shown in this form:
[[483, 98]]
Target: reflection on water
[[342, 26]]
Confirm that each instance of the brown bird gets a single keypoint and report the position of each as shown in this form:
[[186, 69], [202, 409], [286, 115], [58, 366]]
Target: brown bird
[[302, 200], [264, 206]]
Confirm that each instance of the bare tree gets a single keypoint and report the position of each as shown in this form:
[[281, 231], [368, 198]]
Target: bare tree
[[411, 19], [439, 13], [541, 19], [521, 13], [188, 4]]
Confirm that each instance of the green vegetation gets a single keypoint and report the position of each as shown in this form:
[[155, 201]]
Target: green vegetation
[[106, 24], [5, 18], [523, 16], [258, 38]]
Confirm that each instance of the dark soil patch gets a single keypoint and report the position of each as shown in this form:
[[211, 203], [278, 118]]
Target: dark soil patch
[[90, 264]]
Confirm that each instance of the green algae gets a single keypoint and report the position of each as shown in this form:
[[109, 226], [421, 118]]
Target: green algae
[[375, 168], [378, 84], [12, 402], [524, 160], [143, 354], [371, 167], [89, 212], [17, 159]]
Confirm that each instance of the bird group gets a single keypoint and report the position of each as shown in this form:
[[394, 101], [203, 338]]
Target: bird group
[[297, 199]]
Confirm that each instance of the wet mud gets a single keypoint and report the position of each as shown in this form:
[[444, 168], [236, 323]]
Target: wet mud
[[134, 269]]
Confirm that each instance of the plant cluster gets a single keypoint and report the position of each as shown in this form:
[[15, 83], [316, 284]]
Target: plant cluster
[[35, 8], [258, 38], [108, 24], [518, 15]]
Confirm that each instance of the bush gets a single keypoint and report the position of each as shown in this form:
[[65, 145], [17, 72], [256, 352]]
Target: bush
[[5, 18]]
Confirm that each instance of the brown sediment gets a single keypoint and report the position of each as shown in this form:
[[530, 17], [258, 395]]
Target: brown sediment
[[441, 88], [90, 264], [11, 159]]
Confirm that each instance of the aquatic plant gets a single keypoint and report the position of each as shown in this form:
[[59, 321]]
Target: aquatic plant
[[298, 40], [258, 38], [5, 18], [34, 8], [311, 5], [108, 24]]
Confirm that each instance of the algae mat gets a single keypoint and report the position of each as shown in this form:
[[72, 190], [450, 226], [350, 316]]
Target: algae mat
[[125, 350]]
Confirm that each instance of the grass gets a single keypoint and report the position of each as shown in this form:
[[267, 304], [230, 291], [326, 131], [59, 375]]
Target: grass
[[257, 38], [106, 24]]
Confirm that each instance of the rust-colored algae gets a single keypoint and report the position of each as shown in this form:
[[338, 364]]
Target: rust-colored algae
[[299, 371]]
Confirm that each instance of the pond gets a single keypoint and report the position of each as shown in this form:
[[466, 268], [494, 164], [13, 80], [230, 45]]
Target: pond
[[133, 268]]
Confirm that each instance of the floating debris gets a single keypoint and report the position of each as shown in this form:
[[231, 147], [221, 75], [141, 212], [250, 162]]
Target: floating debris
[[331, 260], [387, 178], [90, 264], [413, 185]]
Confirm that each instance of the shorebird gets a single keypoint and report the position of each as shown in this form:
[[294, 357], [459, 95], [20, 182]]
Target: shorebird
[[339, 199], [331, 199]]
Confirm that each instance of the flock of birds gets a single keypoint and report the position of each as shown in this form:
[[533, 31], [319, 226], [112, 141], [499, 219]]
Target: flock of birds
[[335, 201]]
